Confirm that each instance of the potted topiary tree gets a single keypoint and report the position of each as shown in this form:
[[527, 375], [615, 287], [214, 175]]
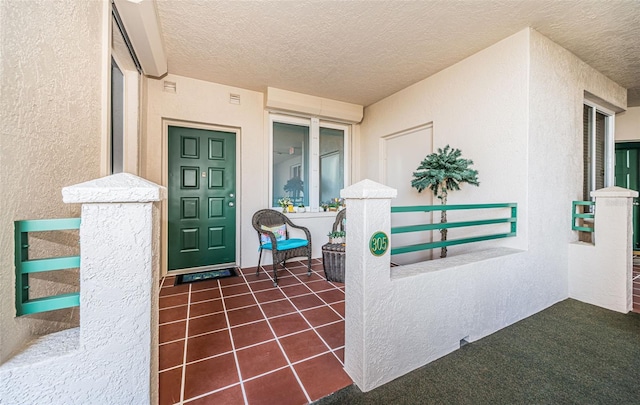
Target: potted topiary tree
[[442, 172]]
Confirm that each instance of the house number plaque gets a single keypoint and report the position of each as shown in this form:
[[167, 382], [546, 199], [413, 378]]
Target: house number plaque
[[379, 243]]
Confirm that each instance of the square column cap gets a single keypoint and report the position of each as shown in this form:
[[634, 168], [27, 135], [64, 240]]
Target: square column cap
[[117, 188], [614, 192], [368, 189]]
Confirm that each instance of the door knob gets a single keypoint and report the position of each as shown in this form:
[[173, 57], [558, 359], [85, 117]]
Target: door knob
[[231, 204]]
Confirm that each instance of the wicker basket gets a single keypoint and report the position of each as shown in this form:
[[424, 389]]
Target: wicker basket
[[333, 259]]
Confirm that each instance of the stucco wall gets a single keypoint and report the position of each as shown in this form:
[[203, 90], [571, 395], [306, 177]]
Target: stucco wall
[[113, 357], [558, 80], [628, 125], [515, 108], [199, 102], [50, 137], [478, 105]]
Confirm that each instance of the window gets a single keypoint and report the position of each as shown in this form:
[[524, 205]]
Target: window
[[122, 141], [117, 118], [309, 160], [598, 150]]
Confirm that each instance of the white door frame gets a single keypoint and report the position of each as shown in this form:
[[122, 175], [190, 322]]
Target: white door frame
[[164, 221]]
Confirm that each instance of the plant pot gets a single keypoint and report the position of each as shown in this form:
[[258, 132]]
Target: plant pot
[[336, 240], [301, 209]]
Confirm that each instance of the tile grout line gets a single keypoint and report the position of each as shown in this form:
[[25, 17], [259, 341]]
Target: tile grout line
[[206, 394], [171, 295], [233, 345], [313, 328], [234, 350], [184, 353], [295, 374]]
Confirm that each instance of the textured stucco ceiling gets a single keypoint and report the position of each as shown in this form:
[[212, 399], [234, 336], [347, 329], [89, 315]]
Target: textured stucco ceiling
[[363, 51]]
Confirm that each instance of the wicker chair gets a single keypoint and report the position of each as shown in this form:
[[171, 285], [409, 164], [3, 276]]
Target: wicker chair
[[281, 250], [339, 223], [333, 254]]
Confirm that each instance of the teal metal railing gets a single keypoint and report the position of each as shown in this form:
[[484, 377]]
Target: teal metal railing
[[582, 215], [511, 220], [24, 266]]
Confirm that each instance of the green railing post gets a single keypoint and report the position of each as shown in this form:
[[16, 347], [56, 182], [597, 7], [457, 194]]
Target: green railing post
[[21, 255]]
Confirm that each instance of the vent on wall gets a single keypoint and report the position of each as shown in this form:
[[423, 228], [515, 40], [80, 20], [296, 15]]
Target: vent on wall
[[234, 99], [169, 87]]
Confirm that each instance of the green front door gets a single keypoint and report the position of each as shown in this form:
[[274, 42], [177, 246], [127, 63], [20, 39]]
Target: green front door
[[628, 176], [202, 198]]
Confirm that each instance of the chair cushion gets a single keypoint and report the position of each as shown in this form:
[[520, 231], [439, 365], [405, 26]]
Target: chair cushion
[[280, 232], [288, 244]]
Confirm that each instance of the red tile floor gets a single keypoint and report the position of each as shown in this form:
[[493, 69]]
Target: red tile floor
[[240, 340]]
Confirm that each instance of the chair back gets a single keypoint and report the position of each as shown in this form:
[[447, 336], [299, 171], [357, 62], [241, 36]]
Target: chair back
[[339, 223], [269, 218]]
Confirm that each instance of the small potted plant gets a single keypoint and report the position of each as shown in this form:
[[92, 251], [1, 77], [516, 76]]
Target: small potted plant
[[336, 236], [334, 204], [324, 206], [301, 208], [284, 203]]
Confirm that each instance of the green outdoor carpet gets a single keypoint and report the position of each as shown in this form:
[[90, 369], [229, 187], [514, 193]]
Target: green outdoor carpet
[[570, 353]]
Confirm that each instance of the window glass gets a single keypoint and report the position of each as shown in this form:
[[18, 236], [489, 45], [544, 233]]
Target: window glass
[[597, 149], [331, 163], [290, 163], [117, 119]]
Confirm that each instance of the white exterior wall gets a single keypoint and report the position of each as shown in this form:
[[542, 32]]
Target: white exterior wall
[[401, 318], [200, 102], [51, 68], [628, 125], [601, 273], [515, 108], [113, 357], [558, 80], [479, 106]]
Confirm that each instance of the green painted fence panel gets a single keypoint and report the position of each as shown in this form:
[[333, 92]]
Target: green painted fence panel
[[24, 266], [511, 220], [575, 215]]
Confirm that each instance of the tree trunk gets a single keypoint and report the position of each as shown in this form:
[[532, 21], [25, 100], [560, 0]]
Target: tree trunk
[[443, 232]]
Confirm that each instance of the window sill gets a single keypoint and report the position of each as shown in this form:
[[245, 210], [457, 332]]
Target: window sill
[[307, 214]]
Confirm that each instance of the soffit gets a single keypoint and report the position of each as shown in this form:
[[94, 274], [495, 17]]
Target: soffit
[[362, 52]]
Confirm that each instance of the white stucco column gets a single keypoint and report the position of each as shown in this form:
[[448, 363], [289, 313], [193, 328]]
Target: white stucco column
[[600, 274], [369, 206], [119, 278]]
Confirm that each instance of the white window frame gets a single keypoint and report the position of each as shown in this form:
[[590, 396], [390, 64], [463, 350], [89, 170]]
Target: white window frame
[[609, 145], [314, 125]]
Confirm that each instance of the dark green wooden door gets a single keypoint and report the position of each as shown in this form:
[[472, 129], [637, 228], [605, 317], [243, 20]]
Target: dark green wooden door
[[628, 176], [202, 198]]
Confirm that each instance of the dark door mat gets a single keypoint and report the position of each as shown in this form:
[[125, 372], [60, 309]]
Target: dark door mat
[[205, 275]]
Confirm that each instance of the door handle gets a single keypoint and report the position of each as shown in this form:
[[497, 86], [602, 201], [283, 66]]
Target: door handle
[[231, 204]]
